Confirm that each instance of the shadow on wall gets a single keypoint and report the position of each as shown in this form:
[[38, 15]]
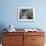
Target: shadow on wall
[[2, 26]]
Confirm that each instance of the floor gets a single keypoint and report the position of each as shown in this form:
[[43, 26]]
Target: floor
[[0, 44]]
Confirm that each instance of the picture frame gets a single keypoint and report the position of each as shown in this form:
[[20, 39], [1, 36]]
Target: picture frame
[[26, 14]]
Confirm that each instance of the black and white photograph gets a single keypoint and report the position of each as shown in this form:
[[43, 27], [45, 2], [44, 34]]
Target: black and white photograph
[[26, 14]]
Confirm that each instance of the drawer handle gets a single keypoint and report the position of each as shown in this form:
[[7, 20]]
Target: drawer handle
[[11, 38], [33, 39]]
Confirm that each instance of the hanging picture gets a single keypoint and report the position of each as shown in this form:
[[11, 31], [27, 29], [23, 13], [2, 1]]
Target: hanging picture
[[26, 14]]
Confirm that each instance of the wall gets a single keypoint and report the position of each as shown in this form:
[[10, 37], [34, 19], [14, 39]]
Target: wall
[[8, 13]]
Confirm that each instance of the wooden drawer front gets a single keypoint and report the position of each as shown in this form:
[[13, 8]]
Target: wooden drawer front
[[33, 33], [5, 39], [37, 39], [27, 41], [12, 39], [37, 45], [12, 44], [13, 33]]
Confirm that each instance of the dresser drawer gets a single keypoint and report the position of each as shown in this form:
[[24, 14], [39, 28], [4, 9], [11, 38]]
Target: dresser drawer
[[12, 39], [34, 33], [13, 44], [13, 33], [37, 44], [37, 39]]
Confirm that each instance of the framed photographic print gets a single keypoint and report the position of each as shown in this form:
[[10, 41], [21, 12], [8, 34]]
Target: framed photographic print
[[26, 14]]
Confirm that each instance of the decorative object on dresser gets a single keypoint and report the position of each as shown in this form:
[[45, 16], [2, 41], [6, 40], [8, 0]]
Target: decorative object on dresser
[[23, 38], [11, 28]]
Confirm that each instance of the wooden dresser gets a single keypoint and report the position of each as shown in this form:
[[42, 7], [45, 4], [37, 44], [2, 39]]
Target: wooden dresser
[[23, 39]]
